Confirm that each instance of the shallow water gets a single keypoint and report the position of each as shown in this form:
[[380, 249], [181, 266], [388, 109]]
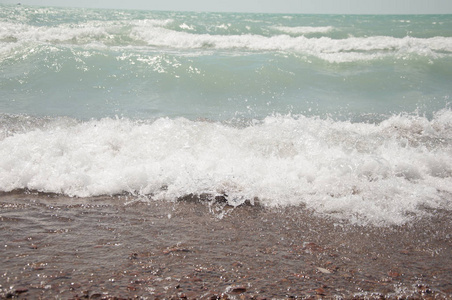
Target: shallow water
[[347, 115], [53, 246], [248, 155]]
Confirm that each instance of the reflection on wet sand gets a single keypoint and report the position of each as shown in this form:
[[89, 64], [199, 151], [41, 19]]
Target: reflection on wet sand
[[70, 248]]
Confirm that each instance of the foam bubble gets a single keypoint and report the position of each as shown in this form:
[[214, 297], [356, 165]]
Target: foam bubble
[[380, 173]]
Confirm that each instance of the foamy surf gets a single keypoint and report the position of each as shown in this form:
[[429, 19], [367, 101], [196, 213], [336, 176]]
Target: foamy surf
[[385, 173], [331, 99], [169, 33]]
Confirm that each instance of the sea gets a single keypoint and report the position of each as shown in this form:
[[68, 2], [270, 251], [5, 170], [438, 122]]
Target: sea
[[346, 116]]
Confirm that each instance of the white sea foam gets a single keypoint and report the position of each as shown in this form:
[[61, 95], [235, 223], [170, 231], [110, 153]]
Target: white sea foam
[[383, 174], [304, 29], [186, 27], [62, 33], [333, 50], [155, 34]]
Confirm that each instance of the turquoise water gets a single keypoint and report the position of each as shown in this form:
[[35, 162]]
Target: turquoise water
[[348, 115], [138, 64]]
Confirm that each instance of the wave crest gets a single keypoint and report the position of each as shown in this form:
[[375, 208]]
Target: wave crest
[[380, 173], [154, 33]]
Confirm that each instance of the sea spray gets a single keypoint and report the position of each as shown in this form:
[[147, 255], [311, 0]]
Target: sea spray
[[380, 172]]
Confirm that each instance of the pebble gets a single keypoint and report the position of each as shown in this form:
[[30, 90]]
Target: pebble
[[323, 270], [320, 291], [238, 289], [95, 296], [175, 249], [393, 274], [21, 290]]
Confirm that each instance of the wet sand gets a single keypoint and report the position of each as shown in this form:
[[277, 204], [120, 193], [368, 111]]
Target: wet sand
[[104, 248]]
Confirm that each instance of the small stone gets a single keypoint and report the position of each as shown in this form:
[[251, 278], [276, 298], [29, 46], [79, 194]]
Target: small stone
[[301, 275], [21, 290], [320, 291], [238, 289], [139, 281], [75, 285], [312, 247], [393, 274], [424, 289], [195, 279], [189, 295], [323, 270], [95, 296], [38, 266], [175, 249]]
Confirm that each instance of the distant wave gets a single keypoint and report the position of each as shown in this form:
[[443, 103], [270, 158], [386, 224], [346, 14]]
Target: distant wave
[[153, 33]]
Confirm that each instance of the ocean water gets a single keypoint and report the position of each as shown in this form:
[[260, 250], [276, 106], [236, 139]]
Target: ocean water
[[348, 116]]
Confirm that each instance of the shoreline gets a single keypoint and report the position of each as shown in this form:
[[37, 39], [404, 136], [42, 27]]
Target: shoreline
[[70, 248]]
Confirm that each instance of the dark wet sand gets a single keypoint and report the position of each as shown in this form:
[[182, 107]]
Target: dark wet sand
[[57, 247]]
